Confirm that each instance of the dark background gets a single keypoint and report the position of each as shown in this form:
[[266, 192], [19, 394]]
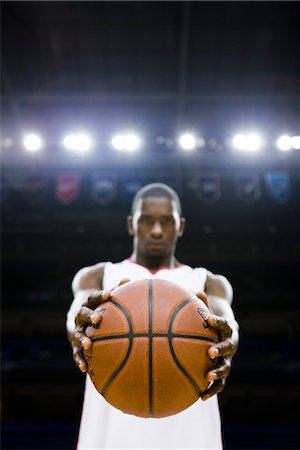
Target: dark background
[[159, 68]]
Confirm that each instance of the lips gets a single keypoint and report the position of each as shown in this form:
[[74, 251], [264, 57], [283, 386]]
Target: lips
[[155, 244]]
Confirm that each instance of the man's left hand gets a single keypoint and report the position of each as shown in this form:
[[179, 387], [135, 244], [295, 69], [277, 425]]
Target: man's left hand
[[223, 352]]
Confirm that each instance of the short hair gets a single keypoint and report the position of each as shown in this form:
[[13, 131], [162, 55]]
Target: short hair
[[156, 190]]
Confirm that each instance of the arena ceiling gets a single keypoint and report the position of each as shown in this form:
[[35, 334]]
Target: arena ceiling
[[158, 66]]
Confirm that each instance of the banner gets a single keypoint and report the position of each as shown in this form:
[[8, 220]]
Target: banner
[[207, 187], [132, 185], [104, 188], [4, 189], [174, 181], [67, 187], [35, 190], [248, 187], [17, 183], [279, 186]]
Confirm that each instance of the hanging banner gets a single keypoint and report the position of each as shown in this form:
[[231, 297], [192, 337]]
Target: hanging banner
[[17, 183], [279, 186], [67, 187], [174, 181], [132, 185], [207, 187], [4, 189], [35, 190], [248, 187], [104, 188]]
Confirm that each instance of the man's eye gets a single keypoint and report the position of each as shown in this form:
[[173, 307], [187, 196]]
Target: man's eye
[[145, 220], [168, 221]]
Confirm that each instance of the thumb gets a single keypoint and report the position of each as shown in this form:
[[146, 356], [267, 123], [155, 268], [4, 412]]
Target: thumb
[[123, 281], [203, 297]]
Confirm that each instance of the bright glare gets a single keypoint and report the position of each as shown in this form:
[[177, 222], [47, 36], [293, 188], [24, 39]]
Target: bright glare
[[129, 142], [32, 142], [80, 143], [69, 142], [296, 142], [132, 142], [187, 141], [250, 142], [118, 142], [239, 141], [284, 143], [253, 142]]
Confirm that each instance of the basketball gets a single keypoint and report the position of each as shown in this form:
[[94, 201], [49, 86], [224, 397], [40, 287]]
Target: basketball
[[149, 354]]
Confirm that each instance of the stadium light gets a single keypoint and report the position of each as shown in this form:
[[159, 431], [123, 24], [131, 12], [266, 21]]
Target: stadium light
[[79, 143], [247, 142], [128, 142], [284, 143], [118, 142], [32, 142], [296, 142], [187, 141]]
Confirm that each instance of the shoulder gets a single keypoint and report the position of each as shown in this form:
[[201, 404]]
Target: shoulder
[[89, 277], [218, 286]]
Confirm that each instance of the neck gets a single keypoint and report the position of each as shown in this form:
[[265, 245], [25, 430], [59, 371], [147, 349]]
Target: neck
[[154, 263]]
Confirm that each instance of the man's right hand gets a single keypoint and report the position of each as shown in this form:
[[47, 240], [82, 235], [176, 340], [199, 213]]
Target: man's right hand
[[89, 314]]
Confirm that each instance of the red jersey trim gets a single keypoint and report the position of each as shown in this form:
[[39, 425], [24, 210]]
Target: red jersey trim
[[155, 271]]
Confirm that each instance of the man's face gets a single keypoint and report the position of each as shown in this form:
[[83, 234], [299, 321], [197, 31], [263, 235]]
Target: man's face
[[156, 226]]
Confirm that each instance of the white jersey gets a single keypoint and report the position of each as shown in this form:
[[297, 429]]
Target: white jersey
[[105, 427]]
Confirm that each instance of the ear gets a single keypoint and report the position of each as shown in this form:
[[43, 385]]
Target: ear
[[129, 225], [182, 227]]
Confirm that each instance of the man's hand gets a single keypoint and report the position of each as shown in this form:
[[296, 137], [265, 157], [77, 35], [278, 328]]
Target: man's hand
[[89, 314], [223, 352]]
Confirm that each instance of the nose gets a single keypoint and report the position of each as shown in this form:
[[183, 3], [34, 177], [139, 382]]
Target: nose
[[156, 230]]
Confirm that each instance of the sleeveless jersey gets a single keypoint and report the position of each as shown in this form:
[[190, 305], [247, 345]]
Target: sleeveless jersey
[[105, 427]]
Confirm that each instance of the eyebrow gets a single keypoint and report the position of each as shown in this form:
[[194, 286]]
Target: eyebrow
[[166, 216]]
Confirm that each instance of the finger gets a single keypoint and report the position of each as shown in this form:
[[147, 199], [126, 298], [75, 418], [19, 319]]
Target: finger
[[213, 352], [81, 364], [123, 281], [203, 297], [213, 389], [83, 317], [79, 359], [221, 325], [80, 339], [223, 348], [96, 298], [97, 315], [226, 348], [221, 371]]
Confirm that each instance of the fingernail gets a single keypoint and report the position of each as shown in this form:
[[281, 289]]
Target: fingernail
[[84, 342], [95, 318], [213, 352], [212, 376], [203, 314], [82, 367]]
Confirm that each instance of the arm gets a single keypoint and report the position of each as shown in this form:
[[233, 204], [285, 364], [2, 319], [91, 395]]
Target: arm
[[219, 293]]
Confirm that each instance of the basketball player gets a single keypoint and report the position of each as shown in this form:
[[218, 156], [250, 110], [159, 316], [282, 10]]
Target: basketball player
[[155, 224]]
